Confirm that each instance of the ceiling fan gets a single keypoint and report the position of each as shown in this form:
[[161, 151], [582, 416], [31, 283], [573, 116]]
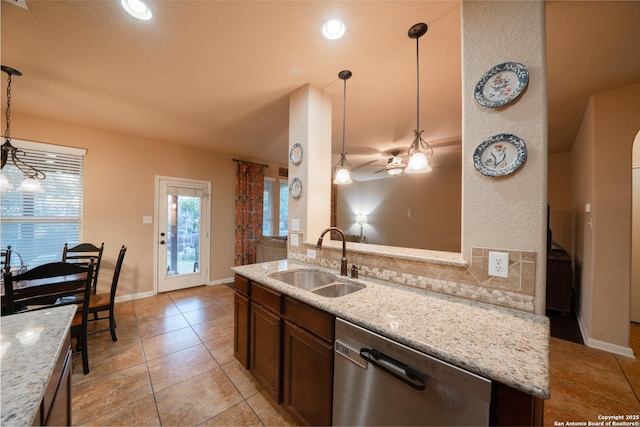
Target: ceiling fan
[[395, 165]]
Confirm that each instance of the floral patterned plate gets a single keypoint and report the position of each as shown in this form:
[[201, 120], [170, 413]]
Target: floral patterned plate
[[500, 155], [501, 84]]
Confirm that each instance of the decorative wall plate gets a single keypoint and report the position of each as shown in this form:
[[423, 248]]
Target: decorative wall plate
[[295, 188], [295, 154], [501, 84], [500, 155]]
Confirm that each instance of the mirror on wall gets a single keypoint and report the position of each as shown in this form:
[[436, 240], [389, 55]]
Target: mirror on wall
[[411, 211]]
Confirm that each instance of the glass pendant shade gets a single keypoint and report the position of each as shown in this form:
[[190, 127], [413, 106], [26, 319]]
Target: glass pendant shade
[[418, 163], [4, 183], [343, 176], [395, 171], [31, 185]]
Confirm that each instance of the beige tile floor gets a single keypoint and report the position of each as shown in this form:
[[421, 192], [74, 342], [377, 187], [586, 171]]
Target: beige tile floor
[[173, 365]]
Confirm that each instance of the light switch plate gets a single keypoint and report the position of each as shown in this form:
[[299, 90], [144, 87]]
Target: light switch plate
[[295, 225], [499, 264], [147, 219], [293, 238]]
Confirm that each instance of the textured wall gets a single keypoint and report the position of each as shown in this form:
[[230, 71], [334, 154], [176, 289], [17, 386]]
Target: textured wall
[[508, 212]]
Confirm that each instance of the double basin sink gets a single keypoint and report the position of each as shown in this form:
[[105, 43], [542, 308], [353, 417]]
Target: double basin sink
[[318, 282]]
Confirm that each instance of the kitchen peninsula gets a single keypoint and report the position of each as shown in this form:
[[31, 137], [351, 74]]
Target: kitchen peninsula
[[36, 367], [506, 346]]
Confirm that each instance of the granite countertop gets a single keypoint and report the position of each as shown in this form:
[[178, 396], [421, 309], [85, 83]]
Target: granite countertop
[[501, 344], [30, 345]]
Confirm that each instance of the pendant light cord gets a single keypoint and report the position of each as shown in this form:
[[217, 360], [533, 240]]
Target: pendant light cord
[[417, 86], [344, 115]]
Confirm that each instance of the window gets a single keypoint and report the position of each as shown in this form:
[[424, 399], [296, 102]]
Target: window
[[283, 223], [270, 216], [267, 207], [37, 226]]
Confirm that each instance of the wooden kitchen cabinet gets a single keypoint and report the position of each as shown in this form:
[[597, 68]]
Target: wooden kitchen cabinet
[[511, 407], [55, 408], [265, 339], [289, 348], [241, 320], [308, 363]]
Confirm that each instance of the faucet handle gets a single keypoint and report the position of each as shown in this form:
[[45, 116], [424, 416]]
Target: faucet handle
[[354, 271]]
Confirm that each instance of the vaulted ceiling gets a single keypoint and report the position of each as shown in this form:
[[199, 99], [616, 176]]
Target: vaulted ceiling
[[217, 74]]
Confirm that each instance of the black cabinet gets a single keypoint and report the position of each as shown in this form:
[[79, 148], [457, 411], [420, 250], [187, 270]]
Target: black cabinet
[[559, 281]]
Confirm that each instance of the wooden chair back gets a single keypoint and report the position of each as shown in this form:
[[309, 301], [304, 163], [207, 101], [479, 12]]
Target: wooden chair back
[[82, 254], [5, 260], [48, 285]]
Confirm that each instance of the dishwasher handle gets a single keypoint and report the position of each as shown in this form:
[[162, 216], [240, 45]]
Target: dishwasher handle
[[381, 360]]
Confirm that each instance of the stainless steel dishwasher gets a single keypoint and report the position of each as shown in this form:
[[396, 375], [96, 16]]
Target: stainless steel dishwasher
[[379, 382]]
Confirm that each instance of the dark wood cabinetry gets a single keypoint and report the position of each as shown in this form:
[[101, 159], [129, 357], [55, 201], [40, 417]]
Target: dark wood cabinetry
[[289, 348], [511, 407], [55, 408], [308, 363], [559, 282], [264, 349]]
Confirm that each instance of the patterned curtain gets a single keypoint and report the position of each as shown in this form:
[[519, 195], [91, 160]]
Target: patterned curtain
[[249, 199]]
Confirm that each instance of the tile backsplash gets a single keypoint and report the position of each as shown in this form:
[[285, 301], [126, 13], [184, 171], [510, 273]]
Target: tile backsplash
[[444, 274]]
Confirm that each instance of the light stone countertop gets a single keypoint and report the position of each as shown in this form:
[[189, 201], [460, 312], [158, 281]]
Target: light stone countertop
[[30, 345], [501, 344]]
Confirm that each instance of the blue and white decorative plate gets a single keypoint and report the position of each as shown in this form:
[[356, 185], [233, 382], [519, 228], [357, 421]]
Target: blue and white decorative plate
[[295, 154], [501, 84], [295, 188], [500, 155]]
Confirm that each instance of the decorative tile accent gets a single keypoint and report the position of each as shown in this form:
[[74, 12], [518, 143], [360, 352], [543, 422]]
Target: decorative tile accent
[[447, 276]]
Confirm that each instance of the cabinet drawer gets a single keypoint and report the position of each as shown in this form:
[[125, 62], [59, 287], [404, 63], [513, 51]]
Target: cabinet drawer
[[266, 297], [241, 285], [315, 320]]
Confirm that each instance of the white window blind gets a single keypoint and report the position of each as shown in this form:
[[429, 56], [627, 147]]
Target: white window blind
[[267, 207], [283, 223], [37, 225]]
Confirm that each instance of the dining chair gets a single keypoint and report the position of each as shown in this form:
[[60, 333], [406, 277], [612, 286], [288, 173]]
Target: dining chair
[[5, 256], [82, 254], [101, 303], [52, 285]]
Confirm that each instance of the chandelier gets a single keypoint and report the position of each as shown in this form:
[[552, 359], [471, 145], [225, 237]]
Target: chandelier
[[418, 162], [32, 175]]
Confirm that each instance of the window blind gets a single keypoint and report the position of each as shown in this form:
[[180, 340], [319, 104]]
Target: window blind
[[37, 225], [267, 207]]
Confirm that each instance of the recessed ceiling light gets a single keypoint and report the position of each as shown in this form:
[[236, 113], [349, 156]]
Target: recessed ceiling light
[[333, 29], [137, 9]]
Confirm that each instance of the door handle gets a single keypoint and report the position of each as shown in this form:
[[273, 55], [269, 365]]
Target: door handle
[[404, 373]]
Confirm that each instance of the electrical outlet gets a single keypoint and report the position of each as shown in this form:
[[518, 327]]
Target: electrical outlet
[[293, 239], [311, 254], [499, 264]]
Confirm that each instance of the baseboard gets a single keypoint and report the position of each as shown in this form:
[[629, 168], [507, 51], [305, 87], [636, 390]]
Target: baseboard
[[603, 345], [134, 296], [220, 281]]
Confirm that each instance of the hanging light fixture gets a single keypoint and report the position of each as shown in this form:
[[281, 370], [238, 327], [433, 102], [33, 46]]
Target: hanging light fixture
[[418, 162], [32, 175], [343, 168]]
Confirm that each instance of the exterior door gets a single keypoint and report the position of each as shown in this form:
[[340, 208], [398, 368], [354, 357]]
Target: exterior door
[[182, 233]]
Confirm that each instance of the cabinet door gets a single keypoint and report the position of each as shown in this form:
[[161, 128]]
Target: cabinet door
[[308, 376], [241, 329], [265, 353]]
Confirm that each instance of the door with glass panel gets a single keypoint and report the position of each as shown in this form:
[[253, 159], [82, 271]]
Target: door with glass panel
[[182, 233]]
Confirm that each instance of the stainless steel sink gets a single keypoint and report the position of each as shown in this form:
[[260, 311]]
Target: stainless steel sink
[[305, 279], [318, 282], [338, 289]]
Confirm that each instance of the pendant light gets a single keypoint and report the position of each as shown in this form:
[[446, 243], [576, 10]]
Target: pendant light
[[418, 162], [343, 168], [31, 183]]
